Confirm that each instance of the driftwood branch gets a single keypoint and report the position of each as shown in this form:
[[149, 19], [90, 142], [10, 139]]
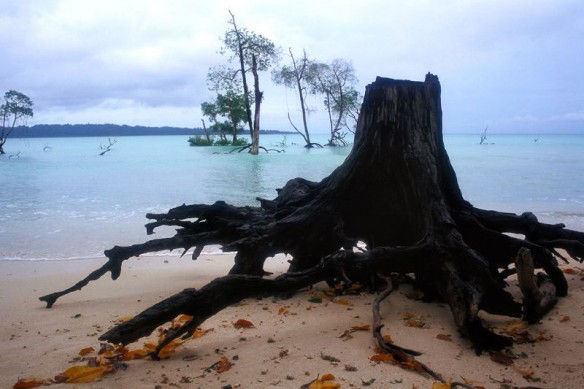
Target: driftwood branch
[[216, 296], [108, 147], [402, 356], [539, 292]]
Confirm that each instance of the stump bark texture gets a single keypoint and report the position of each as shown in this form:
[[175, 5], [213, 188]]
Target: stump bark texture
[[398, 194]]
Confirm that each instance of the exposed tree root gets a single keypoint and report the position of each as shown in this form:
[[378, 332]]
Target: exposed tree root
[[404, 357], [396, 192]]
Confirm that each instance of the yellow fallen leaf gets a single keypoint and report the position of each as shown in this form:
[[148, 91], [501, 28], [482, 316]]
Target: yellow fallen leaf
[[565, 318], [148, 346], [30, 382], [527, 374], [84, 374], [325, 382], [184, 318], [347, 333], [324, 385], [440, 385], [411, 364], [445, 337], [387, 358], [136, 354], [169, 349], [109, 354], [342, 301], [542, 336], [224, 365], [417, 323], [86, 350], [124, 319], [200, 332], [513, 326], [242, 323], [177, 323], [574, 271]]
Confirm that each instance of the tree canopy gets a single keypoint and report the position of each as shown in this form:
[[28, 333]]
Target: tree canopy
[[253, 53], [231, 107], [16, 109], [337, 82], [299, 75]]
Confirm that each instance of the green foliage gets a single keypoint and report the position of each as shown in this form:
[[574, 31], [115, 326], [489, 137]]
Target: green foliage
[[199, 140], [240, 142], [222, 78], [222, 128], [299, 74], [229, 106], [232, 106], [244, 45], [16, 109], [252, 53], [222, 142], [336, 82]]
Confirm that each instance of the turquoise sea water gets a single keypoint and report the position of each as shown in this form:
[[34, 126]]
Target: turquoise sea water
[[68, 202]]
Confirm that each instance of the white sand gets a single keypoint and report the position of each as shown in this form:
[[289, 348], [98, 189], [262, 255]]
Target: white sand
[[282, 351]]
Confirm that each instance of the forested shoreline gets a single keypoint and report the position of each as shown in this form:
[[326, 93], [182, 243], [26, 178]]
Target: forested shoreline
[[109, 130]]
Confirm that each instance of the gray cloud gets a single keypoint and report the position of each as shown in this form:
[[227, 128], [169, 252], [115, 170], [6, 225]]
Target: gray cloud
[[145, 62]]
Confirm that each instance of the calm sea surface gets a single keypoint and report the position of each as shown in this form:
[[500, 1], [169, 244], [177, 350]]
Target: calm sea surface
[[68, 202]]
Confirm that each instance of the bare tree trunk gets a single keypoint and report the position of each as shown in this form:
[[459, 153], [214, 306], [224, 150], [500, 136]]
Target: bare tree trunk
[[243, 73], [299, 74], [234, 134], [255, 135], [206, 132]]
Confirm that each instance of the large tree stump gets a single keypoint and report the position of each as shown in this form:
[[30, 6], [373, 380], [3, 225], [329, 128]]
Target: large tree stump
[[396, 192]]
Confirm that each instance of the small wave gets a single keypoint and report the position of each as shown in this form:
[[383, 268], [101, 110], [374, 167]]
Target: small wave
[[210, 250]]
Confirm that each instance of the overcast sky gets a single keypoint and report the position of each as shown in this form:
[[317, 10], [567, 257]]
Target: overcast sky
[[515, 66]]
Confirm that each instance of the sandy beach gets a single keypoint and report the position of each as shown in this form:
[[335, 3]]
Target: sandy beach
[[291, 342]]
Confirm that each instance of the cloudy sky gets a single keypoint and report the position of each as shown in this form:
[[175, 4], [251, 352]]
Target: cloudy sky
[[514, 66]]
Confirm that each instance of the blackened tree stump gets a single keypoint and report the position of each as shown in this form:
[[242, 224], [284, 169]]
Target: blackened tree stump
[[398, 193]]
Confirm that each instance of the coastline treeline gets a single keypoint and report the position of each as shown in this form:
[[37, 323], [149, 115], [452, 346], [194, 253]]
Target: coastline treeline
[[106, 130]]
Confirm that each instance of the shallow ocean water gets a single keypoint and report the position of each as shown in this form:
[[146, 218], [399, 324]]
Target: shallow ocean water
[[68, 202]]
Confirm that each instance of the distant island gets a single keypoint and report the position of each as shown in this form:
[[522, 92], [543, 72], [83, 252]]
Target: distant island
[[108, 130]]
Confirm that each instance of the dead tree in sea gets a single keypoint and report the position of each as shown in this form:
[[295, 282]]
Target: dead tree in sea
[[108, 148], [484, 136], [398, 193]]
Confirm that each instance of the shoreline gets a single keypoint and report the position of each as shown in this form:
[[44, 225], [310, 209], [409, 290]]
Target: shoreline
[[284, 348]]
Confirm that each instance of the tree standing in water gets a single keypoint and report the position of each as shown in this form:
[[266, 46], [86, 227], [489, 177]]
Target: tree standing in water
[[16, 109], [231, 107], [300, 76], [254, 53], [336, 82]]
